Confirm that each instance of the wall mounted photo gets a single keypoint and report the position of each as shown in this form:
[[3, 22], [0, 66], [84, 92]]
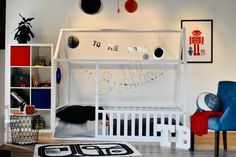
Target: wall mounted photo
[[2, 23], [199, 40]]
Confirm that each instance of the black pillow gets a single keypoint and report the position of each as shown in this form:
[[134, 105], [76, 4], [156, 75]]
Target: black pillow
[[77, 114]]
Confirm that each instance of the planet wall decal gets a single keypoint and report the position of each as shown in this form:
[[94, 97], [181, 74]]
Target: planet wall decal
[[131, 6], [73, 42]]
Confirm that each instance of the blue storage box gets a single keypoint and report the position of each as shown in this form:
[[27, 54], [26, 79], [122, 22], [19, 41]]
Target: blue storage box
[[41, 98]]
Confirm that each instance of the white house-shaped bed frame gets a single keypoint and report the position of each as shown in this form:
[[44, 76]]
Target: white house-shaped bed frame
[[100, 51]]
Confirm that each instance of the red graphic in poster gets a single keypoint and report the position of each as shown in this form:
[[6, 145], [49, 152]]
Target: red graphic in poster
[[196, 39]]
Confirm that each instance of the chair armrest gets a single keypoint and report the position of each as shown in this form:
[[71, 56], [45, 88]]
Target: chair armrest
[[228, 119]]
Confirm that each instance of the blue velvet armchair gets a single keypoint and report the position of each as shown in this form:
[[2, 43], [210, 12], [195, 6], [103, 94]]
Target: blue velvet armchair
[[227, 122]]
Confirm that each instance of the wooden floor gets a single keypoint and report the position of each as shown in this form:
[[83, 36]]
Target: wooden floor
[[204, 147]]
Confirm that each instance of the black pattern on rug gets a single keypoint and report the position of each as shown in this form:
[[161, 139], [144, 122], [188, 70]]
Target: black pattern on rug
[[88, 149]]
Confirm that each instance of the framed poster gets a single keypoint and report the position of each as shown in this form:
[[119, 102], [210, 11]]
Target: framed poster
[[199, 40], [2, 23]]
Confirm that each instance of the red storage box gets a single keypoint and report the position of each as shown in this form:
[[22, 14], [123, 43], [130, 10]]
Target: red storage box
[[20, 56]]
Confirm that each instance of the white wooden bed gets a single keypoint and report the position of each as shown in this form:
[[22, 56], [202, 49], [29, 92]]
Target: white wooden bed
[[142, 97]]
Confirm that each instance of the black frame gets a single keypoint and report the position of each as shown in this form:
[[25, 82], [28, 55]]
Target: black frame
[[211, 36], [2, 23]]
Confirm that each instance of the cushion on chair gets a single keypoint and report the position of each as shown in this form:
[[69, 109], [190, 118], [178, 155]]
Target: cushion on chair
[[227, 93], [214, 123], [208, 102]]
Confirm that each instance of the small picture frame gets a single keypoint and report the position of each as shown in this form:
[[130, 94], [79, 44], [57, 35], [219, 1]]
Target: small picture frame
[[199, 40]]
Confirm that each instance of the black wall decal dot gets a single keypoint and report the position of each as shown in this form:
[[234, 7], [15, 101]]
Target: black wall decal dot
[[91, 6], [158, 53]]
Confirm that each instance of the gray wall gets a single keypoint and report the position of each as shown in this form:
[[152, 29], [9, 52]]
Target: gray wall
[[52, 15]]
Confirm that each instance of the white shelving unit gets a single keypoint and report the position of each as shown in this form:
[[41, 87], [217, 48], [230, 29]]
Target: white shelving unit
[[30, 77]]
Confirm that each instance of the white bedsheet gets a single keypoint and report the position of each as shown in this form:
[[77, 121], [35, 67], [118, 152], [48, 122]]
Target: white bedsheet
[[69, 130]]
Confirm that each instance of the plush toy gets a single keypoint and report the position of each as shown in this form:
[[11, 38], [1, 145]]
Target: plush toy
[[35, 81]]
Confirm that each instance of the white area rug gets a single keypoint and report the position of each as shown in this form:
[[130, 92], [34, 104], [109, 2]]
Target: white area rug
[[106, 149]]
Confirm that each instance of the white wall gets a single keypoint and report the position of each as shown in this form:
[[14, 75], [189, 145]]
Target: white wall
[[52, 15], [2, 97]]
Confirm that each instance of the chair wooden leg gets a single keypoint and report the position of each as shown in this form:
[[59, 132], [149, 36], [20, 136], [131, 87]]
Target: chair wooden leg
[[192, 142], [217, 141], [225, 139]]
